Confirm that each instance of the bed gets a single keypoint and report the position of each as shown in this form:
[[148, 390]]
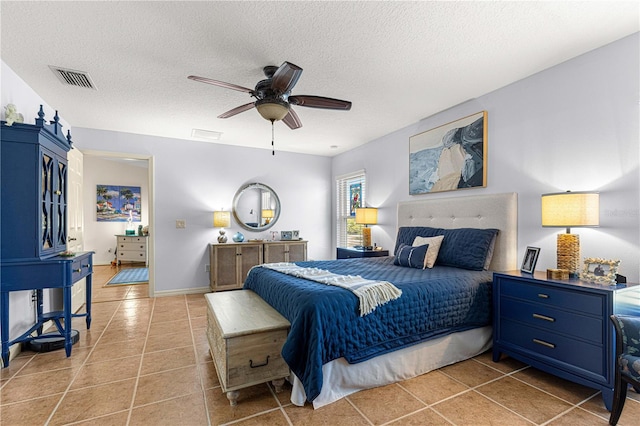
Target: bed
[[442, 316]]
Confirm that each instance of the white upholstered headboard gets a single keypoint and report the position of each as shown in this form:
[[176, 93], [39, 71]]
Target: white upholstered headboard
[[498, 211]]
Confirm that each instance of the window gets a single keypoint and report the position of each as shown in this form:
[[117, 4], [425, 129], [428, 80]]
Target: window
[[350, 192]]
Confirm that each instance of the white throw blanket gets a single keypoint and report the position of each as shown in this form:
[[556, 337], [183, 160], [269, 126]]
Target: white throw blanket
[[370, 293]]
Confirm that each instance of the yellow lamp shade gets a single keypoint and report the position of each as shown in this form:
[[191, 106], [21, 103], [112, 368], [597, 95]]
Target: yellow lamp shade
[[221, 219], [571, 209], [267, 214], [367, 216]]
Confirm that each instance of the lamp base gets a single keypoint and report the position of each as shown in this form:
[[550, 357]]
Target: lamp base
[[568, 252], [366, 237], [222, 238]]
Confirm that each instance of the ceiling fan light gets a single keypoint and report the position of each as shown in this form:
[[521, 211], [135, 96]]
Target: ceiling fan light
[[272, 111]]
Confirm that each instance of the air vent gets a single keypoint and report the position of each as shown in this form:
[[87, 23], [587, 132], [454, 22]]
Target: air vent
[[208, 135], [73, 77]]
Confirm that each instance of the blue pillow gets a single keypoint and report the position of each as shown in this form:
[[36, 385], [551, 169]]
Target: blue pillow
[[412, 257], [466, 248]]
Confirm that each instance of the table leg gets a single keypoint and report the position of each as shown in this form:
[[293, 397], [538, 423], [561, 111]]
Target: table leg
[[88, 301], [66, 295], [4, 307], [39, 309]]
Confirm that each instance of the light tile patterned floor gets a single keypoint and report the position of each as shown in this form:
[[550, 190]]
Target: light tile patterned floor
[[146, 362]]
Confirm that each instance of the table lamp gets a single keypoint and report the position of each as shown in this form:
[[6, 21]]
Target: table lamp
[[222, 219], [570, 210], [366, 216], [267, 215]]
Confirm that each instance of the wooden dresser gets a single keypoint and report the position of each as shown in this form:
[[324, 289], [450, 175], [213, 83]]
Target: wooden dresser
[[245, 337], [132, 248], [231, 262]]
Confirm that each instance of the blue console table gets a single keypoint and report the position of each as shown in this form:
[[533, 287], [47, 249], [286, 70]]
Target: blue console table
[[55, 272]]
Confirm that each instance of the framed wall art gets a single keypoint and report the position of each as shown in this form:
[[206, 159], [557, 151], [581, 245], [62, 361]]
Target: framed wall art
[[117, 203], [450, 157], [602, 271]]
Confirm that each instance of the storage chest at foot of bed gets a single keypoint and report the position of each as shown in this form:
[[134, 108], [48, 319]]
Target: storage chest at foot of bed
[[245, 337]]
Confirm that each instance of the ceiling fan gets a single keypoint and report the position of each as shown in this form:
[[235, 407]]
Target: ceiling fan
[[274, 98]]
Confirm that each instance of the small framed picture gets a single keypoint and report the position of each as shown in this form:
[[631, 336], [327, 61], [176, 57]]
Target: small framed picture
[[602, 271], [530, 260]]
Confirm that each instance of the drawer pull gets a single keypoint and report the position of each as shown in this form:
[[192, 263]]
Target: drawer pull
[[543, 343], [259, 365], [543, 296], [77, 270], [544, 317]]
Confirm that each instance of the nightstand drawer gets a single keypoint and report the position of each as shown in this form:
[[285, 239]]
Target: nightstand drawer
[[546, 295], [574, 353], [553, 319]]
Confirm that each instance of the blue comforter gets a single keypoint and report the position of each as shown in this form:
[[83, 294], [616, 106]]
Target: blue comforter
[[326, 324]]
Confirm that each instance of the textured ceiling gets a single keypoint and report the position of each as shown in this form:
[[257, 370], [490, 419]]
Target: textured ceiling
[[398, 62]]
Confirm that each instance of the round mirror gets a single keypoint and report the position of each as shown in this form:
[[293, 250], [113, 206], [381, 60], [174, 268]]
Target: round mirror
[[256, 207]]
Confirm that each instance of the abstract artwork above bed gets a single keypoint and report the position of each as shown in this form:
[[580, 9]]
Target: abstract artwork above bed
[[450, 157]]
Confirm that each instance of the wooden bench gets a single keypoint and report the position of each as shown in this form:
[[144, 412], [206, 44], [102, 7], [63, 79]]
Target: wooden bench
[[245, 337]]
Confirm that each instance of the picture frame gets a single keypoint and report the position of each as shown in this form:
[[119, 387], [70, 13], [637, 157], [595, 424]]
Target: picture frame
[[530, 259], [118, 203], [449, 157], [601, 271]]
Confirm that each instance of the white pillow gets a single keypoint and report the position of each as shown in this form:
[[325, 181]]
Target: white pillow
[[432, 251]]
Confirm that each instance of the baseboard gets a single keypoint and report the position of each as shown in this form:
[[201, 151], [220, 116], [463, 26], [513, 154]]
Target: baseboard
[[195, 290]]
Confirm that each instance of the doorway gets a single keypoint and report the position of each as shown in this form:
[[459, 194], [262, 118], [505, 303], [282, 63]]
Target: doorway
[[116, 169]]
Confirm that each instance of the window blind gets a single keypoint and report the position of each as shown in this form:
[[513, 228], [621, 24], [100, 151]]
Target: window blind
[[351, 193]]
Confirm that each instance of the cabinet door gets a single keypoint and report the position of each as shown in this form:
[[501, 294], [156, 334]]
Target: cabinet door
[[224, 273], [297, 252], [46, 198], [251, 255], [275, 252], [53, 196], [60, 204]]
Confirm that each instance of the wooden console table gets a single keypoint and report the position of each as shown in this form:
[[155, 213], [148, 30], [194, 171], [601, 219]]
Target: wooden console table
[[54, 272]]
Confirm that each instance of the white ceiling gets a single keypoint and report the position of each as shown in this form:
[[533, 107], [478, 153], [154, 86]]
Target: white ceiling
[[398, 62]]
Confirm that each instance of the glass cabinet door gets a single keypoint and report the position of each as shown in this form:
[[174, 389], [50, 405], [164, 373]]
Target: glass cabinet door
[[46, 186], [60, 204]]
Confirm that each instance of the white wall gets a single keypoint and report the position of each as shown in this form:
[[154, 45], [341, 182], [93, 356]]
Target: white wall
[[100, 236], [192, 179], [572, 127]]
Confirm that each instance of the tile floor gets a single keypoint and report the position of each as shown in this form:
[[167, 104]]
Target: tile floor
[[146, 362]]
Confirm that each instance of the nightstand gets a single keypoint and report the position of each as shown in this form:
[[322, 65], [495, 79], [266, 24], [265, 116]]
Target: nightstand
[[350, 252], [561, 327]]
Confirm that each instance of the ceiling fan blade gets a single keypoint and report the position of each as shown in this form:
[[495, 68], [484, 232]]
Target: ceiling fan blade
[[285, 77], [319, 102], [220, 83], [237, 110], [292, 120]]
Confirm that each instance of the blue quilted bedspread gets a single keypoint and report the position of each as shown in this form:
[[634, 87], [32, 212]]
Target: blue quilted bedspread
[[326, 324]]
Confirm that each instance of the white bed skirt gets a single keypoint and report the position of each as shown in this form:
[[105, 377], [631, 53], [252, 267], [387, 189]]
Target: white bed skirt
[[341, 378]]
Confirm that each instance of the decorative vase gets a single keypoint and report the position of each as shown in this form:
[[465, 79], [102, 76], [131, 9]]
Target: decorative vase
[[238, 237]]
